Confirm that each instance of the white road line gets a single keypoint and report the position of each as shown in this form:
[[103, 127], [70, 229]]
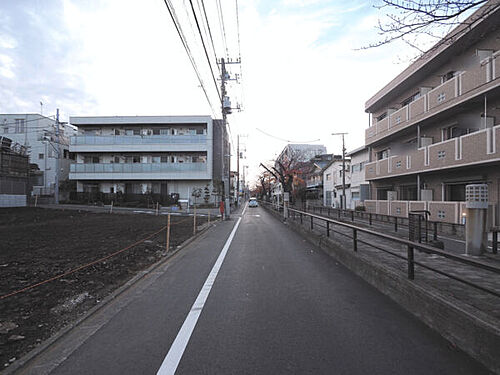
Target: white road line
[[174, 355]]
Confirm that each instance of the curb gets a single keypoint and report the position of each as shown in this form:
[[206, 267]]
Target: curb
[[28, 357], [470, 332]]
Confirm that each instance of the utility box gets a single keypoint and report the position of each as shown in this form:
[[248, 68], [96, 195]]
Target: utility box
[[476, 236]]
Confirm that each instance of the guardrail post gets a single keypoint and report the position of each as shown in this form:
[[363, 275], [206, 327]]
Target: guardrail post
[[370, 218], [411, 263], [328, 229], [352, 216], [312, 225], [328, 211], [338, 211], [355, 239], [301, 222], [395, 223], [435, 234], [494, 247]]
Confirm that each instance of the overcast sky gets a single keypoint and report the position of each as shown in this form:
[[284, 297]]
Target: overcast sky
[[302, 77]]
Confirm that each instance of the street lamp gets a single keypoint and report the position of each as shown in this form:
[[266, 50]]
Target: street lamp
[[342, 201]]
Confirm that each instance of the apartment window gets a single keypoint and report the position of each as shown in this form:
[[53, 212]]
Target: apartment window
[[199, 131], [111, 189], [117, 131], [155, 159], [195, 159], [398, 210], [450, 132], [192, 131], [137, 131], [156, 131], [398, 164], [382, 116], [441, 97], [355, 195], [172, 159], [328, 176], [398, 120], [441, 214], [165, 131], [117, 159], [20, 125], [66, 154], [441, 154], [164, 159], [40, 156], [95, 159], [447, 76], [136, 159], [129, 132], [384, 154], [410, 99]]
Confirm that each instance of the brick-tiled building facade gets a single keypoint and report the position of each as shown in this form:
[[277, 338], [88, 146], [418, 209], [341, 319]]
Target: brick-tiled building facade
[[436, 127]]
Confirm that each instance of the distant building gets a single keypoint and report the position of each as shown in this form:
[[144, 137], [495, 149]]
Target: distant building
[[157, 156], [315, 176], [294, 153], [435, 127], [14, 170], [359, 188], [332, 181], [38, 134]]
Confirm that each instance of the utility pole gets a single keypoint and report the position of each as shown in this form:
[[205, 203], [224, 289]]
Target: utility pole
[[225, 110], [58, 154], [238, 172], [343, 201]]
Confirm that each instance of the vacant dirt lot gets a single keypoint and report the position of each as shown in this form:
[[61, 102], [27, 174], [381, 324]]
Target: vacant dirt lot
[[37, 244]]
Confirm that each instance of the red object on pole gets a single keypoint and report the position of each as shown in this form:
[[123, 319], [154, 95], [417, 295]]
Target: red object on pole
[[221, 207]]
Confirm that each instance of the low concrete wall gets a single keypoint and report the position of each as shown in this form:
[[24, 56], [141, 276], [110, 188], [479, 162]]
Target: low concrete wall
[[12, 200], [468, 330]]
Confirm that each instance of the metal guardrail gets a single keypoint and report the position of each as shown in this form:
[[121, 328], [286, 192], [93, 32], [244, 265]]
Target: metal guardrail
[[397, 221], [410, 246]]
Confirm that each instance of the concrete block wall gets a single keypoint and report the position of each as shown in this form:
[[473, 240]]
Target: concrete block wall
[[11, 200]]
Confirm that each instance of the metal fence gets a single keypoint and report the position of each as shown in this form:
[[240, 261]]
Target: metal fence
[[328, 226]]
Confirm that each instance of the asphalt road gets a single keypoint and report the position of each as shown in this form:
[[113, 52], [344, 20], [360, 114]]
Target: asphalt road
[[278, 305]]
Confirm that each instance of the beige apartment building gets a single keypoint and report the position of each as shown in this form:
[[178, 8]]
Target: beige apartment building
[[436, 127]]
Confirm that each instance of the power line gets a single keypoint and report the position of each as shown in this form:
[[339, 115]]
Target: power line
[[209, 30], [205, 49], [238, 29], [286, 140], [222, 27], [171, 11]]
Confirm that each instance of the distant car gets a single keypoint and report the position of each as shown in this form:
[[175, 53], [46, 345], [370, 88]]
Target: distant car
[[253, 202]]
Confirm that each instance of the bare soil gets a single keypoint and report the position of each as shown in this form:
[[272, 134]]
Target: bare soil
[[37, 244]]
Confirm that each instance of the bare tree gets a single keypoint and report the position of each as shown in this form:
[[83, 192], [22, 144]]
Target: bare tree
[[417, 21]]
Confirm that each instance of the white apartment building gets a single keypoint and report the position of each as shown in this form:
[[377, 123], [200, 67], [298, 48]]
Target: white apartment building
[[38, 134], [332, 182], [359, 189], [137, 155]]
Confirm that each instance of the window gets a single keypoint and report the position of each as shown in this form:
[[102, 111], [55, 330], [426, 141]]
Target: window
[[441, 97], [447, 76], [164, 159], [117, 159], [355, 195], [450, 132], [441, 154], [156, 131], [410, 99], [137, 131], [194, 159], [441, 214], [40, 156], [398, 164], [136, 159], [165, 131], [155, 159], [384, 154], [111, 189], [172, 159], [129, 132], [192, 131], [398, 210], [328, 176], [382, 116], [66, 154], [95, 159], [87, 159], [19, 125], [117, 131], [398, 120], [199, 131]]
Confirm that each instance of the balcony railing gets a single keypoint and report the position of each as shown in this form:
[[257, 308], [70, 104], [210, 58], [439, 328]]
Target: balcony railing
[[137, 139], [478, 147], [138, 168], [437, 99]]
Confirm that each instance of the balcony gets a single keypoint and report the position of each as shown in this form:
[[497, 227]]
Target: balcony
[[453, 92], [476, 148], [139, 171], [116, 143]]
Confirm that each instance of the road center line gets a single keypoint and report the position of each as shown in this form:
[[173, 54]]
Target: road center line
[[174, 355]]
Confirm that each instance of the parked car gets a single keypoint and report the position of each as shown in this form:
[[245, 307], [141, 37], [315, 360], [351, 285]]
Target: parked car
[[253, 202]]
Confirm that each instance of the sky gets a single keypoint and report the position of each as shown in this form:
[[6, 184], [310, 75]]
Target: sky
[[302, 75]]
